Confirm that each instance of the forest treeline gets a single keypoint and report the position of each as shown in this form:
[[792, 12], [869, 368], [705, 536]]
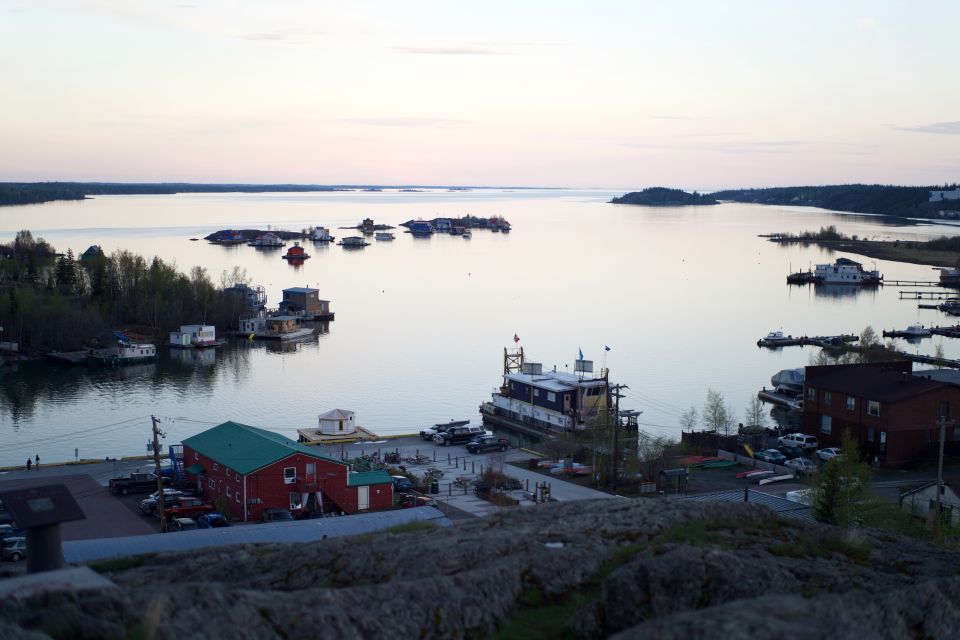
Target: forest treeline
[[35, 192], [857, 198], [51, 301], [663, 197]]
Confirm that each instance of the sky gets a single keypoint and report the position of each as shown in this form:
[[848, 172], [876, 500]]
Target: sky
[[607, 94]]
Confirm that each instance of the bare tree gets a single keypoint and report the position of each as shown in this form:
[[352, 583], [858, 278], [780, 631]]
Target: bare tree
[[689, 419], [717, 414], [755, 414]]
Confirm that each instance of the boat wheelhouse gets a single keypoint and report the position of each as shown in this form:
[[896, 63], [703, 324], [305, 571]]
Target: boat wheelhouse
[[845, 271]]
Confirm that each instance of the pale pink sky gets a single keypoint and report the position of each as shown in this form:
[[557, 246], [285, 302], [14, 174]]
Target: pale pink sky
[[611, 94]]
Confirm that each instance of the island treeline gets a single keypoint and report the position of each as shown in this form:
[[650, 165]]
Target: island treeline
[[663, 197], [856, 198], [51, 301]]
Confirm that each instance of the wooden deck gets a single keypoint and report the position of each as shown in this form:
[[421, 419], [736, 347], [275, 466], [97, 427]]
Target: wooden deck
[[313, 436]]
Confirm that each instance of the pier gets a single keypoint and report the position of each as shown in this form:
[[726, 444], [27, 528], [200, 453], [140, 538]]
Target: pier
[[913, 283], [826, 342], [948, 332], [927, 295]]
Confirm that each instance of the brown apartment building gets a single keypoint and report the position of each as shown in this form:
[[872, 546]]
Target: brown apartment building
[[893, 414]]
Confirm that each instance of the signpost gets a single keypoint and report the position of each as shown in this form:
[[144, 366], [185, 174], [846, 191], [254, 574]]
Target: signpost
[[40, 510]]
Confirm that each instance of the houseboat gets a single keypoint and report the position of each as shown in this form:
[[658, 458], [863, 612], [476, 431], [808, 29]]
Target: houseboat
[[305, 302], [913, 332], [296, 253], [467, 234], [384, 235], [421, 228], [537, 402], [353, 242], [124, 353], [252, 299], [267, 241], [949, 277], [845, 271], [193, 336], [321, 234], [281, 327]]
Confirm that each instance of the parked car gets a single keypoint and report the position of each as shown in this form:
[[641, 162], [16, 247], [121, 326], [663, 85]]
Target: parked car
[[801, 466], [184, 524], [457, 435], [276, 515], [829, 453], [14, 549], [409, 500], [401, 483], [791, 452], [798, 440], [149, 504], [771, 455], [185, 507], [488, 443], [212, 521], [10, 531], [134, 483]]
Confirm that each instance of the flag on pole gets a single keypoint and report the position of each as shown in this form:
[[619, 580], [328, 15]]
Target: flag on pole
[[516, 338], [581, 352], [606, 348]]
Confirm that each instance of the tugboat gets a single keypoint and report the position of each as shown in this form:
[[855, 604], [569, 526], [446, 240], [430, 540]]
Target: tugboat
[[295, 254]]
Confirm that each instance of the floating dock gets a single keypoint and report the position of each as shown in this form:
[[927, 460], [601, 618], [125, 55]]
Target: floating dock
[[949, 332], [927, 295], [913, 283], [826, 342], [773, 396]]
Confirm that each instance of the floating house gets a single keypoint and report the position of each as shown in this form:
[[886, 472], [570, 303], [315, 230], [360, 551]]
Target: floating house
[[296, 253], [337, 422], [305, 302], [353, 242], [546, 400], [249, 470], [253, 298], [124, 353], [268, 241], [228, 236], [194, 335], [367, 226], [421, 228], [280, 327], [443, 225], [321, 234]]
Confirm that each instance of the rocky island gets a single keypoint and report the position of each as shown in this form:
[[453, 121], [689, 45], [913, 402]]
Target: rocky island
[[663, 197], [609, 568]]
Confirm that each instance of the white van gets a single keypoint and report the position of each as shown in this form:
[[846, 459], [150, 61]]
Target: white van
[[798, 440]]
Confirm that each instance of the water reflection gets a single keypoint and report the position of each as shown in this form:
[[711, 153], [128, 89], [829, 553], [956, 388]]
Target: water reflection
[[194, 357], [841, 290]]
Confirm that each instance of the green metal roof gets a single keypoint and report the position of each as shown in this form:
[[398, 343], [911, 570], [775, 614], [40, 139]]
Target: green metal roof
[[368, 477], [245, 449]]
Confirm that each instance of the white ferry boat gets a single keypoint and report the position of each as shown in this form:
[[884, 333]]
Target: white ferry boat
[[845, 271]]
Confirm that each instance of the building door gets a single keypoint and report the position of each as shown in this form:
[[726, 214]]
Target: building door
[[311, 473], [363, 498]]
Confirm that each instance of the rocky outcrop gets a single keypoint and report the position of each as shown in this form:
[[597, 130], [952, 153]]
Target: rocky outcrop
[[640, 569]]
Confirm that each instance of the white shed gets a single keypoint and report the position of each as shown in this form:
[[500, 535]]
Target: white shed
[[337, 422], [921, 502]]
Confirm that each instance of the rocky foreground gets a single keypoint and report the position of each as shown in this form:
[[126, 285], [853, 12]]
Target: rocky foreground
[[622, 568]]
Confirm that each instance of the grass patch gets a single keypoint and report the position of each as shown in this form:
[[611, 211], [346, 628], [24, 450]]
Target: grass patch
[[125, 563], [543, 622], [805, 547], [413, 525]]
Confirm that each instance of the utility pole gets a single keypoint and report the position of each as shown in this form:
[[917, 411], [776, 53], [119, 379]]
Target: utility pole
[[616, 429], [156, 459], [936, 516]]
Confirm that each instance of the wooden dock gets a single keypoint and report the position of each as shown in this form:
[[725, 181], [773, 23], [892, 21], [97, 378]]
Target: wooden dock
[[927, 295], [826, 342], [781, 399], [948, 332], [913, 283], [313, 436]]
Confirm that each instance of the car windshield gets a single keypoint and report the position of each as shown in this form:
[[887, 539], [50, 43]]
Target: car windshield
[[10, 543]]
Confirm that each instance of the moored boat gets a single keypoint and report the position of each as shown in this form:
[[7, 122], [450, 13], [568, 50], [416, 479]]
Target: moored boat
[[913, 331], [846, 271], [384, 235], [123, 353], [467, 234], [353, 242], [296, 253]]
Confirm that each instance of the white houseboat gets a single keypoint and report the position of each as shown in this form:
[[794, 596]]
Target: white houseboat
[[194, 336], [282, 327], [321, 234], [267, 241], [845, 271], [124, 353]]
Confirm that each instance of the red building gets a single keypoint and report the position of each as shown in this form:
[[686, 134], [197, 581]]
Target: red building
[[893, 414], [248, 470]]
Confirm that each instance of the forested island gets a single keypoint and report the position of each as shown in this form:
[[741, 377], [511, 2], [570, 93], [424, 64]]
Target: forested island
[[939, 252], [889, 200], [663, 197], [52, 301]]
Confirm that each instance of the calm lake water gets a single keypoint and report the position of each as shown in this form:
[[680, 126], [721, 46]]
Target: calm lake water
[[680, 295]]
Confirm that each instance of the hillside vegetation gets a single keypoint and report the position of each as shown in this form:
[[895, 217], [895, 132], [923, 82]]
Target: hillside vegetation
[[663, 197]]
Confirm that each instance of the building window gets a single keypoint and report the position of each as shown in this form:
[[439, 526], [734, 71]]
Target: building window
[[216, 467], [229, 493], [827, 397], [869, 434], [295, 501], [238, 496], [811, 393], [944, 409], [289, 475], [826, 424], [211, 483], [536, 393], [873, 407], [551, 396], [851, 403], [196, 456]]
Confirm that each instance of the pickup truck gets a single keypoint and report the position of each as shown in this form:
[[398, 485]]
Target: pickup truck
[[135, 483], [185, 507], [488, 443]]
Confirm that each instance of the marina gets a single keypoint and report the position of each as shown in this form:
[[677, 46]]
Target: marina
[[776, 340]]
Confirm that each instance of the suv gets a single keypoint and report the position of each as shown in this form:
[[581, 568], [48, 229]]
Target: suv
[[457, 435], [401, 483], [149, 504], [798, 440], [488, 443], [185, 507], [429, 432], [14, 549]]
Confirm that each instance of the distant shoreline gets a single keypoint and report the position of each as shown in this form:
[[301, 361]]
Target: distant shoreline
[[894, 251]]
